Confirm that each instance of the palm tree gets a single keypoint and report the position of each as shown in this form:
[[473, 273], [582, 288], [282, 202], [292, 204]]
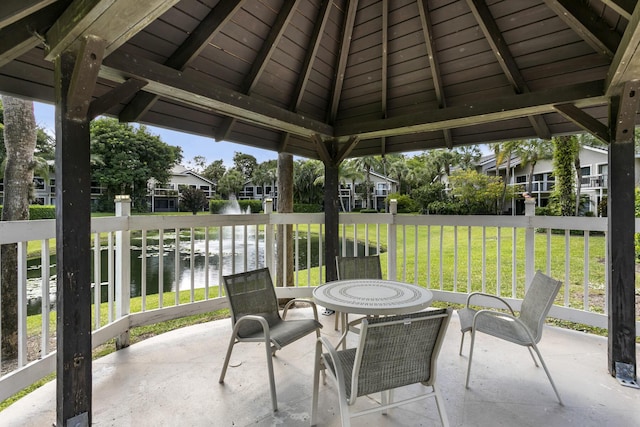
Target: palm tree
[[530, 151], [504, 151], [368, 164], [266, 173], [306, 188]]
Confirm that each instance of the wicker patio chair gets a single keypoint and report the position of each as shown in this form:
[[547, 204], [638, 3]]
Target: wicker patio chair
[[255, 318], [393, 352], [362, 267], [525, 330]]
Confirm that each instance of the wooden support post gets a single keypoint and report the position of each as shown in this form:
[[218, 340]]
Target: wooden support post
[[73, 227], [331, 219], [621, 197]]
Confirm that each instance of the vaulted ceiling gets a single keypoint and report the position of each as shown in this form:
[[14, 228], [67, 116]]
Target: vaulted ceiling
[[331, 79]]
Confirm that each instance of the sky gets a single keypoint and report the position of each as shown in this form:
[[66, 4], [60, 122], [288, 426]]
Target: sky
[[191, 145]]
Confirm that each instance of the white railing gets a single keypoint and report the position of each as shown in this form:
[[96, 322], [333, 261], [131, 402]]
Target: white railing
[[451, 255]]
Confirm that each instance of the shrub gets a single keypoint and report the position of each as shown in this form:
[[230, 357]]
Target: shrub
[[405, 203], [218, 206], [307, 208], [368, 211], [192, 200], [39, 211]]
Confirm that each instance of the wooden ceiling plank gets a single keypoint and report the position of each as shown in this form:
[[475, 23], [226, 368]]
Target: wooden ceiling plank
[[503, 54], [115, 21], [172, 84], [498, 109], [115, 96], [587, 24], [84, 77], [584, 120], [343, 55], [626, 62]]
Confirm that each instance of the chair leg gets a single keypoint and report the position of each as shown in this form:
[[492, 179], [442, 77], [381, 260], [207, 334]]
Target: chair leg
[[473, 339], [461, 342], [440, 405], [337, 320], [316, 384], [544, 365], [533, 357], [272, 383], [226, 359]]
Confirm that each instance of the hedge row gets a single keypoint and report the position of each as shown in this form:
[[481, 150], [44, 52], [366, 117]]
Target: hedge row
[[218, 206], [39, 211]]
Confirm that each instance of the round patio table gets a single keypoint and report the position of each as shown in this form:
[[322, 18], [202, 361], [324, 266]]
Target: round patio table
[[372, 297]]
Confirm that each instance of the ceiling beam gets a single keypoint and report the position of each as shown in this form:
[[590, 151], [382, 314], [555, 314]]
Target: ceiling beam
[[172, 84], [343, 55], [16, 10], [623, 7], [585, 121], [474, 113], [114, 21], [185, 54], [587, 24], [346, 149], [22, 36], [625, 66], [507, 62]]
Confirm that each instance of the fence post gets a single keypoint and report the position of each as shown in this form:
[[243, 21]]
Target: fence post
[[392, 242], [529, 254], [268, 235], [123, 268]]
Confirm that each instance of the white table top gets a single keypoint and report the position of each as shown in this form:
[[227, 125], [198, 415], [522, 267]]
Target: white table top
[[372, 297]]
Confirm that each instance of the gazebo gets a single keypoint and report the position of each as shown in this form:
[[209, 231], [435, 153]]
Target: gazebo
[[324, 79]]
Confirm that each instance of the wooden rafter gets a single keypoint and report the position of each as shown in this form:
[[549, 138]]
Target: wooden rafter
[[523, 105], [623, 7], [262, 59], [587, 24], [434, 65], [507, 62], [625, 66], [114, 21], [346, 149], [585, 121], [185, 53], [115, 96], [307, 64], [173, 84], [343, 54]]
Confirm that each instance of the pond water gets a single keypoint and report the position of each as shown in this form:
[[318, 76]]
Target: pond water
[[168, 265]]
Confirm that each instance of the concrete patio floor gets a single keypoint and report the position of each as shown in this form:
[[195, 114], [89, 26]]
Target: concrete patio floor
[[172, 380]]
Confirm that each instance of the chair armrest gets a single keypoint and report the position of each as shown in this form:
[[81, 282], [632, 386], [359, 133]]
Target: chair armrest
[[263, 322], [492, 313], [476, 294], [323, 342], [302, 300]]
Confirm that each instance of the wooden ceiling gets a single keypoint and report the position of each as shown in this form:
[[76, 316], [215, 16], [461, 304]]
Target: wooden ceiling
[[339, 78]]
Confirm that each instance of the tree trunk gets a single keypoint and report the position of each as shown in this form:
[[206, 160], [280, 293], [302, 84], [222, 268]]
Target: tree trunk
[[285, 232], [20, 143], [578, 181]]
